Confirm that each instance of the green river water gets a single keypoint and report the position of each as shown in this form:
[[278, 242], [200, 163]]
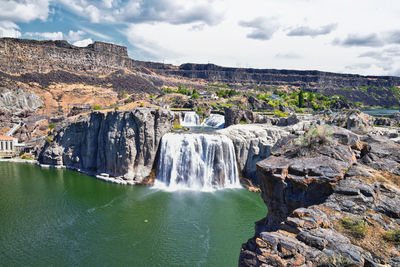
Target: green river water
[[52, 217]]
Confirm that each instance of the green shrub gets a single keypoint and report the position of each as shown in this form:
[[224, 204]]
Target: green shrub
[[223, 105], [51, 126], [49, 139], [314, 137], [178, 127], [301, 99], [195, 95], [141, 104], [280, 114], [357, 227], [26, 157], [96, 107], [127, 101], [393, 236], [227, 93], [261, 97], [167, 90]]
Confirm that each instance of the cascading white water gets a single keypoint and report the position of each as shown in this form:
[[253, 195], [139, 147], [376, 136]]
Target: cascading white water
[[190, 119], [201, 162], [216, 121]]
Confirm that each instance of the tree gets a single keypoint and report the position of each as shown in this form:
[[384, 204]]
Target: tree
[[310, 97], [301, 98]]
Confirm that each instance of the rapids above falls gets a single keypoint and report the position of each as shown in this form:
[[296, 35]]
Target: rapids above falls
[[189, 119]]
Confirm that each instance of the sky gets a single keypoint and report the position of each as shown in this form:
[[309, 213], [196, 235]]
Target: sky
[[357, 36]]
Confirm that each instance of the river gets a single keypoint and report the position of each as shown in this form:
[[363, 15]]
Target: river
[[53, 217]]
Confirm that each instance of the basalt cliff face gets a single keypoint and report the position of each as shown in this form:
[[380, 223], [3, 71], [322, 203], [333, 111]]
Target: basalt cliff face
[[46, 62], [331, 206], [121, 144]]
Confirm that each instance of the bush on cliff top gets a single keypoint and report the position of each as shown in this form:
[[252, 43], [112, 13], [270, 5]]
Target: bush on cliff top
[[313, 138]]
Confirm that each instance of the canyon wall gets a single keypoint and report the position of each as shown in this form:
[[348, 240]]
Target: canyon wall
[[121, 144], [21, 56]]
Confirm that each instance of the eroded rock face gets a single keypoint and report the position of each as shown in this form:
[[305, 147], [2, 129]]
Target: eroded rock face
[[353, 120], [295, 182], [238, 115], [253, 143], [19, 100], [309, 197], [122, 144]]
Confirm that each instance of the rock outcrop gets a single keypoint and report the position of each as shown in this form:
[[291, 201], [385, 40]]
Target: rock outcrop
[[326, 208], [239, 115], [253, 143], [15, 102], [353, 120], [121, 144]]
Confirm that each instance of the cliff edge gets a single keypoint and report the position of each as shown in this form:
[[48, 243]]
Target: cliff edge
[[328, 203]]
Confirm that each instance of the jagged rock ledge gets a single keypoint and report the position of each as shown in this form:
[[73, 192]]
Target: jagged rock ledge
[[330, 206], [119, 147]]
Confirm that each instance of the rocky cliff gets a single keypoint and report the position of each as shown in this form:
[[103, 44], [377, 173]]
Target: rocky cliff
[[32, 59], [18, 100], [121, 144], [328, 203], [21, 55]]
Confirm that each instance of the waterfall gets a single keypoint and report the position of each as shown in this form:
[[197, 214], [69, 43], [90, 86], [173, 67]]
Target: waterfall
[[200, 162], [216, 121], [190, 119]]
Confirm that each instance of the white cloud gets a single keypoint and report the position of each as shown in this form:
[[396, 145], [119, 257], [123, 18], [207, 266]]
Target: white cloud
[[46, 35], [145, 48], [261, 28], [83, 43], [24, 11], [309, 31], [73, 36], [108, 3], [9, 29], [95, 33], [348, 39], [149, 11]]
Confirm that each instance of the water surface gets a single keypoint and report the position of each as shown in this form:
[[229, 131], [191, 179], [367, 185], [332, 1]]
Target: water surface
[[380, 112], [63, 218]]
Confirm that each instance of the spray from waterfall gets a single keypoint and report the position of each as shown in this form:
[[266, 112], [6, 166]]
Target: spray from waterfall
[[201, 162]]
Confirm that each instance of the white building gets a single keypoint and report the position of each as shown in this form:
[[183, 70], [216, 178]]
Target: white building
[[9, 146]]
